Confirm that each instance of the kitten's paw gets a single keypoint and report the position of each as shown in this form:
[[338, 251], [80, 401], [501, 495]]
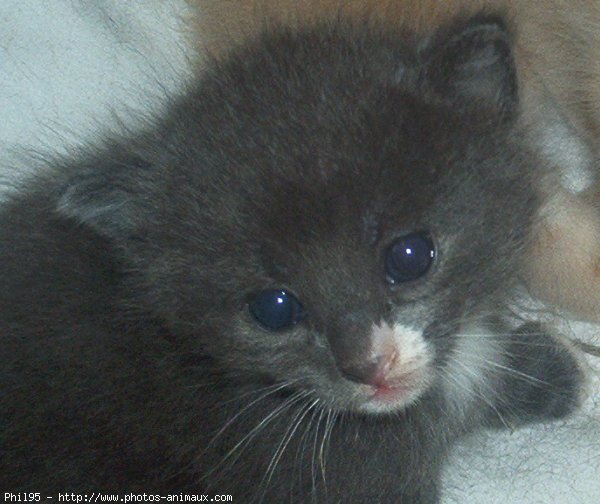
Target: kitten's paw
[[544, 379]]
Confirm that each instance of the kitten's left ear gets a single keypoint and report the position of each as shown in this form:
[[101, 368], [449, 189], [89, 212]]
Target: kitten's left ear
[[473, 64]]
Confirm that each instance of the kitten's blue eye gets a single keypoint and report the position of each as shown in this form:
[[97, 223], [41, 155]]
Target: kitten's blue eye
[[276, 309], [409, 258]]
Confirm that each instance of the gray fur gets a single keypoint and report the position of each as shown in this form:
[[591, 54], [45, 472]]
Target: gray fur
[[130, 361]]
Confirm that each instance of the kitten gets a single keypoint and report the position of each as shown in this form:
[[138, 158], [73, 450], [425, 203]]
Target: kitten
[[293, 288], [557, 49]]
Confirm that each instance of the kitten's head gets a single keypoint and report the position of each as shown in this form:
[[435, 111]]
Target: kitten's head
[[328, 209]]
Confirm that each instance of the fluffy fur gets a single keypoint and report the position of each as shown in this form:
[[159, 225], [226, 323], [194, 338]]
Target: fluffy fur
[[557, 50], [130, 358]]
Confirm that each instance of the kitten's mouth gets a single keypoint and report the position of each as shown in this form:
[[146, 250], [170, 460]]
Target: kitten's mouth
[[390, 394], [389, 397]]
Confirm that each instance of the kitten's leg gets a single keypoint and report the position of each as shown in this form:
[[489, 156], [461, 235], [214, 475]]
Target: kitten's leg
[[543, 379]]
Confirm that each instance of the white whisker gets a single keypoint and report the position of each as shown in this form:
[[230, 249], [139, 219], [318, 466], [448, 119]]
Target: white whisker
[[477, 393], [314, 451], [326, 434], [270, 390], [289, 433], [301, 450], [492, 365], [237, 449]]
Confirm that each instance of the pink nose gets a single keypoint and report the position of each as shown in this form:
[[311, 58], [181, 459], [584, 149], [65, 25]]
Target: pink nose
[[375, 373]]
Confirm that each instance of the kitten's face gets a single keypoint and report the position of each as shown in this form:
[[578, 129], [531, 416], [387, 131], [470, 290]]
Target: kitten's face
[[343, 205], [355, 285]]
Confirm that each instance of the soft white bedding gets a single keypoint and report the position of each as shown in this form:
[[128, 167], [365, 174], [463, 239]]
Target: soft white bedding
[[67, 65]]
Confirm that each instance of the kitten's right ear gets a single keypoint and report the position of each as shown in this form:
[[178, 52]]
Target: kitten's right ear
[[473, 64], [104, 194]]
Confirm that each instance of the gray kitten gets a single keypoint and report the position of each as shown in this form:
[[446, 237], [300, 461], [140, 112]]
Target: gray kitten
[[293, 288]]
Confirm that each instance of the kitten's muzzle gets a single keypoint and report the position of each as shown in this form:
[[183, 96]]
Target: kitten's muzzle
[[390, 365], [362, 354]]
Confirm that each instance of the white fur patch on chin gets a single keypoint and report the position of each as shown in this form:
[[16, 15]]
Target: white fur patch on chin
[[470, 369], [411, 366]]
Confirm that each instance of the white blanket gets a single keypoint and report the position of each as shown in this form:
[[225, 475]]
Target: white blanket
[[67, 65]]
